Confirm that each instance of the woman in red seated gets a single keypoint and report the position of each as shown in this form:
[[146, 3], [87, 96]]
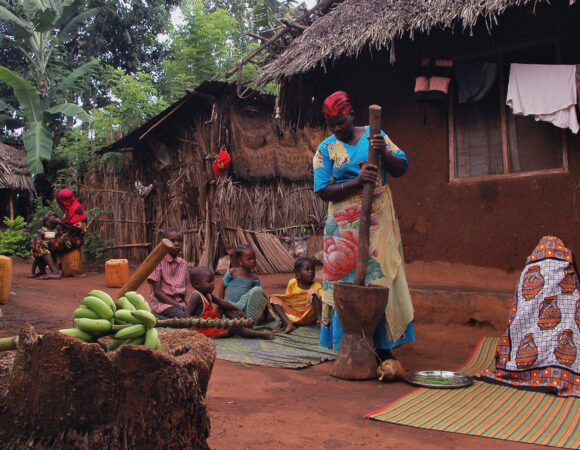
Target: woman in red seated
[[70, 231]]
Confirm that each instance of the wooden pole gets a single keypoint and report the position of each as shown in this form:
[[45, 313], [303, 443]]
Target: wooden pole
[[367, 201], [146, 267]]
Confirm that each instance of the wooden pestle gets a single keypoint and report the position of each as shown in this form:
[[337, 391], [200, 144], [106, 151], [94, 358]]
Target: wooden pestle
[[367, 199], [146, 267]]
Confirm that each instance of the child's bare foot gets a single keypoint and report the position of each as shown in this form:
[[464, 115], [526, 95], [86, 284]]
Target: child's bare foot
[[289, 328], [269, 334]]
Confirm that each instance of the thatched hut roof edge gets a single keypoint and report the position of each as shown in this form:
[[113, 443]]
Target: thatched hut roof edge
[[14, 172], [353, 25]]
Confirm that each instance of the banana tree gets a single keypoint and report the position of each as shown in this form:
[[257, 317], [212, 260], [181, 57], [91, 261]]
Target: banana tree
[[37, 27]]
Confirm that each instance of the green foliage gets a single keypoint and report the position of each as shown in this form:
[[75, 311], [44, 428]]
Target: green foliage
[[201, 48], [40, 208], [94, 248], [126, 35], [134, 99], [36, 28], [15, 240]]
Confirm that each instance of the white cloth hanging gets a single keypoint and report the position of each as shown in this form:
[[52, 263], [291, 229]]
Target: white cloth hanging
[[547, 92]]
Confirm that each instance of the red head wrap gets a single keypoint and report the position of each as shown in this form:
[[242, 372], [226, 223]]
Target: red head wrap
[[335, 104], [73, 211]]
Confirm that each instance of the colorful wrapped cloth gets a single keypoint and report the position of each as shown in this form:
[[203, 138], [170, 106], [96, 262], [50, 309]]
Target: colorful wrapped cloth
[[335, 161], [209, 312], [247, 294], [539, 350], [67, 238], [297, 302], [64, 241]]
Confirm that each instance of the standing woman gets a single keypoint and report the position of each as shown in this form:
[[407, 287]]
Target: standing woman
[[340, 171], [71, 229]]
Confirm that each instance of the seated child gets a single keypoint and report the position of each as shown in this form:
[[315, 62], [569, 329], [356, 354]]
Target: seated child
[[169, 280], [243, 286], [233, 263], [47, 231], [301, 304], [203, 304]]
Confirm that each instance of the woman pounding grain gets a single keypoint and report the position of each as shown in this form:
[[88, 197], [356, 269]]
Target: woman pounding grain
[[340, 172]]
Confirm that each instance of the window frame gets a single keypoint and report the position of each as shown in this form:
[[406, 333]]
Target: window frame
[[507, 174]]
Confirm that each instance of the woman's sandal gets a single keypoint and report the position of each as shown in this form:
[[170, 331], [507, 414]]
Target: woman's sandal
[[49, 277]]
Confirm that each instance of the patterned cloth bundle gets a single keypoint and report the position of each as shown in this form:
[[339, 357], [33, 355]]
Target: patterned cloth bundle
[[539, 350]]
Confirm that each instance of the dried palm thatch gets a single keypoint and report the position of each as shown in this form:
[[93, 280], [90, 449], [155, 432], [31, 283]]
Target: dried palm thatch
[[268, 188], [353, 25], [14, 173], [271, 255]]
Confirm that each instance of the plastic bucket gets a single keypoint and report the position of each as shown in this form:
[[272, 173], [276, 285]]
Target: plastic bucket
[[117, 272], [5, 278]]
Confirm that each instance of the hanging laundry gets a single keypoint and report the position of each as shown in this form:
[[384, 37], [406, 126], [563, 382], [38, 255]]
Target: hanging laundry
[[432, 81], [547, 92], [474, 80]]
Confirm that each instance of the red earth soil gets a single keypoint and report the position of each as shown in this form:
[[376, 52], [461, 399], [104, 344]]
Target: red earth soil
[[259, 407]]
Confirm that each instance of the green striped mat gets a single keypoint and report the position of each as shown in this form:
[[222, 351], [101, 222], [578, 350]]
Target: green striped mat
[[296, 350], [489, 410]]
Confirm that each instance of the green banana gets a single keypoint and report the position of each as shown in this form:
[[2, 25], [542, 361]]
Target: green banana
[[104, 297], [103, 346], [158, 344], [97, 326], [151, 338], [99, 306], [137, 341], [138, 300], [115, 345], [126, 316], [123, 303], [132, 332], [86, 313], [145, 317], [77, 333]]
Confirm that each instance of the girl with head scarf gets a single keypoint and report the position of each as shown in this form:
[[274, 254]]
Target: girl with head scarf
[[340, 172], [71, 229]]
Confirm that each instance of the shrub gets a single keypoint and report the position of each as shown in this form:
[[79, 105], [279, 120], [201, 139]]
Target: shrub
[[15, 240], [94, 248]]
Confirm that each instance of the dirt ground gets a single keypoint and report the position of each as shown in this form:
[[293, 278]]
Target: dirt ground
[[259, 407]]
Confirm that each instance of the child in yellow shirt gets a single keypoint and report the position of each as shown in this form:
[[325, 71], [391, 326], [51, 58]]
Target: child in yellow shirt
[[301, 303]]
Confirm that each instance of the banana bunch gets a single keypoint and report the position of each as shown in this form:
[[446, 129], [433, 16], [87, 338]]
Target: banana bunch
[[136, 322], [93, 318], [129, 319]]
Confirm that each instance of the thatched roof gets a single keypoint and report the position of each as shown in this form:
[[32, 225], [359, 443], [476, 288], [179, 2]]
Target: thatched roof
[[198, 99], [14, 172], [354, 25]]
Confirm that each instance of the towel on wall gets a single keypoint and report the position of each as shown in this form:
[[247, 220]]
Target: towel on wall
[[547, 92]]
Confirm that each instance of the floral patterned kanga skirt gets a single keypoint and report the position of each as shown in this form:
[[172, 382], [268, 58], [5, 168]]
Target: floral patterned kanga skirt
[[385, 266], [63, 242]]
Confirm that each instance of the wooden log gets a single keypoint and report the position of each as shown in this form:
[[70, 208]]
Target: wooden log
[[367, 200], [146, 267]]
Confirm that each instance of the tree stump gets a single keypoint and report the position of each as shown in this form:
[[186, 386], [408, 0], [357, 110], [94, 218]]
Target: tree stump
[[64, 393]]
